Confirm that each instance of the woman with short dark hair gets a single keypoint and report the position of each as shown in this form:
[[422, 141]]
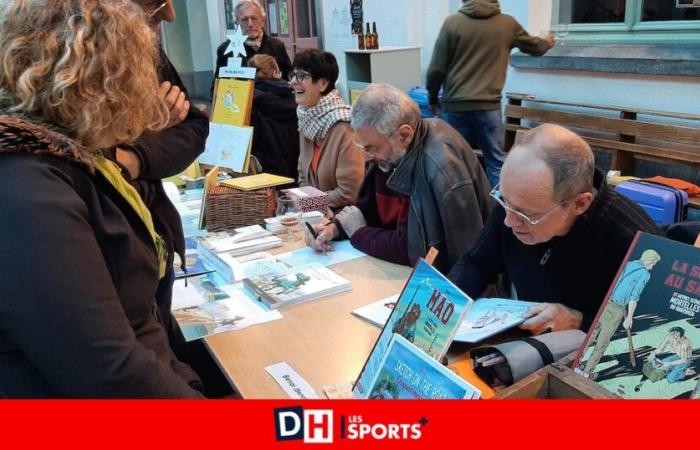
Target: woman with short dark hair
[[328, 159]]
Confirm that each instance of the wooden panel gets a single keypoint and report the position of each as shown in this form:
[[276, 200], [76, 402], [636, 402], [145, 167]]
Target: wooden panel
[[686, 156], [649, 112], [686, 135]]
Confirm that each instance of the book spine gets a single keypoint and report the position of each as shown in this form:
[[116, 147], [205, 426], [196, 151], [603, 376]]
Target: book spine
[[260, 295], [212, 260]]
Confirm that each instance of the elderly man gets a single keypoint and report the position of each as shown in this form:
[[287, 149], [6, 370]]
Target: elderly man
[[425, 187], [250, 16], [559, 234]]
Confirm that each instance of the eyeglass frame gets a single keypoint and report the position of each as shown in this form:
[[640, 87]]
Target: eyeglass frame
[[497, 195], [374, 153], [292, 75], [152, 14]]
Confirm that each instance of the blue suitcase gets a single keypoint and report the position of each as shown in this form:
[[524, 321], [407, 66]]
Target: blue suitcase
[[663, 203]]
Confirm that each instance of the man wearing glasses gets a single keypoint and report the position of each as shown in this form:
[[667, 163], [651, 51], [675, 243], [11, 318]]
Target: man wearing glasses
[[559, 234], [250, 16], [425, 187]]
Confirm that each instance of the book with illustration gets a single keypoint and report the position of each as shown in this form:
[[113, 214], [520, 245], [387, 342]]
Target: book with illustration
[[645, 340], [428, 313], [490, 316], [407, 372], [296, 285], [258, 181], [193, 264], [233, 100], [377, 313]]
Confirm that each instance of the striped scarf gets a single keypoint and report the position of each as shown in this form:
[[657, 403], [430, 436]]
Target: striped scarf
[[315, 122]]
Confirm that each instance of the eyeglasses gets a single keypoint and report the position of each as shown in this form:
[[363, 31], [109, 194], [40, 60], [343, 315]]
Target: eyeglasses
[[299, 75], [152, 14], [498, 196], [373, 153]]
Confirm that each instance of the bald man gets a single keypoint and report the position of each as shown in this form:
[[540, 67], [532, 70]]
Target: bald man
[[559, 233]]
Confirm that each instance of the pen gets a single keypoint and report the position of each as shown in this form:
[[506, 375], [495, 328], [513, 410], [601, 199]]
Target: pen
[[313, 232]]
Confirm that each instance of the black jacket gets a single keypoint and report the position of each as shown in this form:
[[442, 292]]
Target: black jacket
[[79, 276], [275, 127], [575, 270], [268, 46], [163, 155]]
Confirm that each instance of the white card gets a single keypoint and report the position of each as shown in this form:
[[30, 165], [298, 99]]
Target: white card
[[292, 383]]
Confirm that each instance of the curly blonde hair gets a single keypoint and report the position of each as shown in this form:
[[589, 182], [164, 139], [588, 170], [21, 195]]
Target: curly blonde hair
[[89, 66]]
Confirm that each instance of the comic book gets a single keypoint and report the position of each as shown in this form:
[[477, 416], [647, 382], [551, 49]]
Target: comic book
[[428, 313], [645, 340], [407, 372]]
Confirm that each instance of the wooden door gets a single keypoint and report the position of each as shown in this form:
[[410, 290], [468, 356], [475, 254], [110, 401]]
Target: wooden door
[[293, 22]]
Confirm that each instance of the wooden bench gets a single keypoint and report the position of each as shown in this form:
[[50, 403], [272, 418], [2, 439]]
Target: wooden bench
[[629, 134]]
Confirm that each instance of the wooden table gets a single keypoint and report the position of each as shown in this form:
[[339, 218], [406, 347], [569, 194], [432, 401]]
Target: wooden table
[[320, 339]]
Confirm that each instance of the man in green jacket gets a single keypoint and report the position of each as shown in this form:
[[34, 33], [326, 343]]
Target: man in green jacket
[[470, 59]]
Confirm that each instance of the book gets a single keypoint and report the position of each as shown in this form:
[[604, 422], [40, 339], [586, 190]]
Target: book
[[193, 262], [259, 181], [233, 100], [645, 339], [240, 240], [377, 313], [296, 285], [237, 268], [228, 146], [486, 317], [407, 372], [490, 316], [428, 313]]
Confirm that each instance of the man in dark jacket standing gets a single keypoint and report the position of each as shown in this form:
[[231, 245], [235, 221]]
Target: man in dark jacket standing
[[470, 59], [250, 16], [425, 189]]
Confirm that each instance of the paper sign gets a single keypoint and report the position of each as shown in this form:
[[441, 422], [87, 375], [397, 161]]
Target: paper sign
[[292, 383]]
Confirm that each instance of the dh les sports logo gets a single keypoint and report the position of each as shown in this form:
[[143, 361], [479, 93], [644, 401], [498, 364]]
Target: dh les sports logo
[[314, 426]]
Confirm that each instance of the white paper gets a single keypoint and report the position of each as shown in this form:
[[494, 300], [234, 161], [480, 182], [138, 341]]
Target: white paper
[[227, 146], [172, 192], [292, 383], [377, 313], [186, 296], [236, 312], [342, 251], [489, 316]]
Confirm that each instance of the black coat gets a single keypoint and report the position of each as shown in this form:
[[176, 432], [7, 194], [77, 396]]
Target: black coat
[[79, 276], [275, 127], [268, 46], [163, 155]]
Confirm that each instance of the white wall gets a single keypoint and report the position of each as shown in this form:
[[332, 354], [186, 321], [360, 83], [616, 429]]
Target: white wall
[[678, 94]]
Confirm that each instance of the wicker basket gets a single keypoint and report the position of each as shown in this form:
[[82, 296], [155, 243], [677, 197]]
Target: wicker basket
[[227, 207]]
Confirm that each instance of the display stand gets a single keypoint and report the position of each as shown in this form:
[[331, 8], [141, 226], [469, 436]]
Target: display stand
[[397, 66]]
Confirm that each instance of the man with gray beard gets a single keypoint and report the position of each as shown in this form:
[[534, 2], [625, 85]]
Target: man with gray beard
[[424, 187]]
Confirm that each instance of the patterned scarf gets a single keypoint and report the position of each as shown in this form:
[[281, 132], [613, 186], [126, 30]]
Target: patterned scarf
[[315, 122]]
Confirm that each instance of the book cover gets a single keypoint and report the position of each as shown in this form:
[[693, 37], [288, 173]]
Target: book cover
[[296, 285], [407, 372], [193, 262], [428, 313], [232, 102], [645, 340], [228, 146], [259, 181], [489, 316]]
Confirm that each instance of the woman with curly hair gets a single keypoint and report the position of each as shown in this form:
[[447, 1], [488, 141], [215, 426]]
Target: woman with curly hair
[[82, 258]]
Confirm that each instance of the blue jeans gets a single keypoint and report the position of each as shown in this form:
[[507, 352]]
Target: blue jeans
[[484, 131], [677, 373]]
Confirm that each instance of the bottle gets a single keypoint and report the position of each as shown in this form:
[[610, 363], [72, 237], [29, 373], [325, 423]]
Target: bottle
[[368, 38], [360, 40], [375, 36]]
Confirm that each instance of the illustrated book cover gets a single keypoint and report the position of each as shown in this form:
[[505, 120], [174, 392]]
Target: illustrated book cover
[[645, 340], [428, 313], [407, 372]]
